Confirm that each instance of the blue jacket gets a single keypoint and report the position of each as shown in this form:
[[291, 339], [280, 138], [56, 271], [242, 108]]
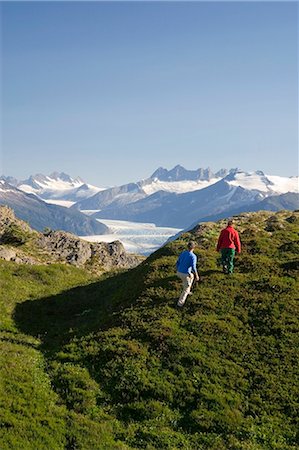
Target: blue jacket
[[186, 262]]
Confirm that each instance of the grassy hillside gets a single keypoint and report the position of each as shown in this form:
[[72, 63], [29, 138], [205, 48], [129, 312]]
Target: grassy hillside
[[112, 364]]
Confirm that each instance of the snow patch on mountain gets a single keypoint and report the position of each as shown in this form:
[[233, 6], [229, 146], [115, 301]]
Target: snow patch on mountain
[[65, 203], [267, 184], [58, 187], [177, 187], [6, 187], [54, 182], [87, 190], [282, 185], [39, 214]]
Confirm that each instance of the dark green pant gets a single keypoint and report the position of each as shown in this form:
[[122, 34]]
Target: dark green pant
[[227, 259]]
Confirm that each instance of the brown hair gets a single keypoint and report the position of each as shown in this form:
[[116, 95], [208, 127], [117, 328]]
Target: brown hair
[[191, 245]]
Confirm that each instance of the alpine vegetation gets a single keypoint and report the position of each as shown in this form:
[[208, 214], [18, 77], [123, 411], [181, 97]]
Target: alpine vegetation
[[110, 362]]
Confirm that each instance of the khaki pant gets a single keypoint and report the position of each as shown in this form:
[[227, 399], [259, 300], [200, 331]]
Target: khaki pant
[[187, 279]]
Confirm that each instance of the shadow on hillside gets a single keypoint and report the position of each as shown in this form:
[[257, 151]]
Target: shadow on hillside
[[77, 312], [15, 338], [168, 282], [206, 273]]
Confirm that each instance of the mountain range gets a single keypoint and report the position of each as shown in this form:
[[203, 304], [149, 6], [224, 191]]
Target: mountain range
[[56, 187], [177, 180], [40, 215], [180, 202], [173, 198]]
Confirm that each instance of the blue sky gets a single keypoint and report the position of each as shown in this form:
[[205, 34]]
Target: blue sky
[[111, 91]]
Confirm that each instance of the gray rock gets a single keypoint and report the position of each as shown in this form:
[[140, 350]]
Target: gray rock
[[7, 253], [20, 260], [66, 247], [112, 255]]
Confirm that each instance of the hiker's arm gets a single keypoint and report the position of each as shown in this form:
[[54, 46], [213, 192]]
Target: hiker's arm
[[238, 243], [195, 269], [197, 278], [219, 242]]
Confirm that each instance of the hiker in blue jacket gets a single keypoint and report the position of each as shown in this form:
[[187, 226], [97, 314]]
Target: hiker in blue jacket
[[186, 269]]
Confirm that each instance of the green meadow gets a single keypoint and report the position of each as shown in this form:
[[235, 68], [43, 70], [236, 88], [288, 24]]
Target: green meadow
[[104, 363]]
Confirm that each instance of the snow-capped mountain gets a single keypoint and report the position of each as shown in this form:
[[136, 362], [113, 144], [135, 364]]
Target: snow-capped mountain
[[58, 188], [40, 215], [171, 198], [55, 182], [119, 195], [258, 181], [236, 191], [177, 180], [11, 180]]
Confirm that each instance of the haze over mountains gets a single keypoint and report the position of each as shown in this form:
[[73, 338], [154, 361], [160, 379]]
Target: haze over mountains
[[172, 198]]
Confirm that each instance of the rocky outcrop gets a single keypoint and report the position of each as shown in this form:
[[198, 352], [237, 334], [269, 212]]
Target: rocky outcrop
[[10, 254], [8, 218], [65, 247], [68, 248], [113, 255], [21, 244]]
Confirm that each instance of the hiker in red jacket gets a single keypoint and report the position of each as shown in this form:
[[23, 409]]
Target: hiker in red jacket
[[228, 244]]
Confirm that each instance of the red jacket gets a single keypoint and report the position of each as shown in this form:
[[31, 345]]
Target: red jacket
[[229, 238]]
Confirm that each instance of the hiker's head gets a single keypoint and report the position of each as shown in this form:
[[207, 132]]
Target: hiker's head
[[230, 223], [191, 245]]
